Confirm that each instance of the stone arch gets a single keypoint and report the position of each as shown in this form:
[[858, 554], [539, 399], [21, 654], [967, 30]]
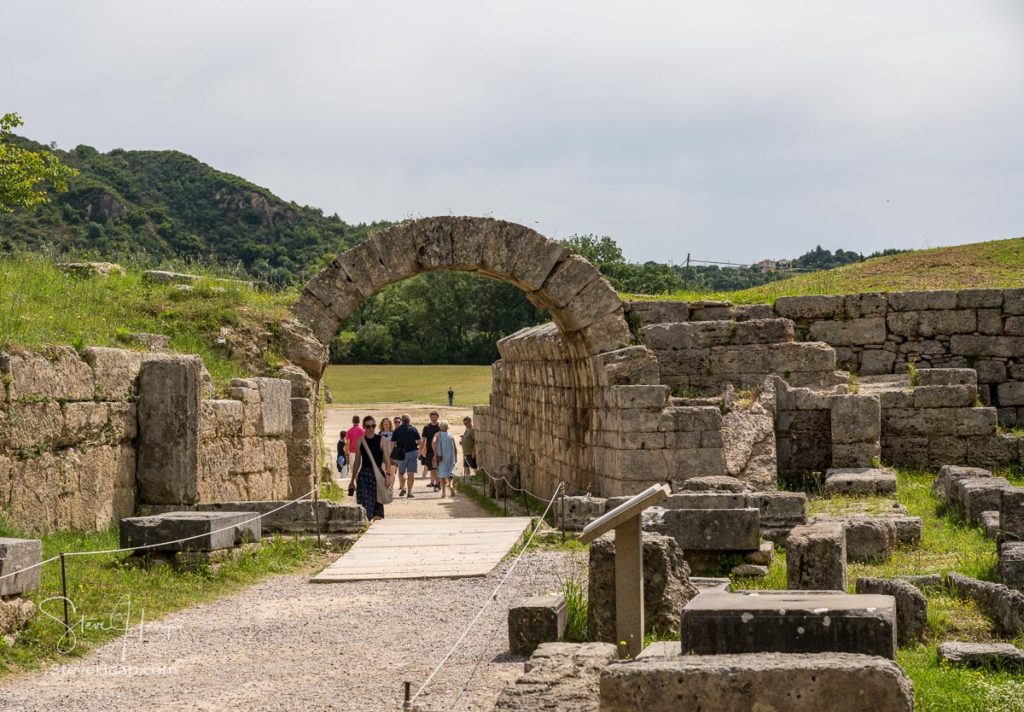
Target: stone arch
[[585, 308]]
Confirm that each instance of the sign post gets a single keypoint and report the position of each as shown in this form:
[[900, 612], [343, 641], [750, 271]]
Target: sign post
[[629, 565]]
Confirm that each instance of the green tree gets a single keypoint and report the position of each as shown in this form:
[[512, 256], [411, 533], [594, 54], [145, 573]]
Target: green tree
[[600, 251], [24, 174]]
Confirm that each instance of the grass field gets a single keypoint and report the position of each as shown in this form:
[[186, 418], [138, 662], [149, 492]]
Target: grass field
[[409, 384], [998, 263]]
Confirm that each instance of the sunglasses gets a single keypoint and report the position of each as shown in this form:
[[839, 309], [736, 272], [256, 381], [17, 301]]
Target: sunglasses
[[370, 425]]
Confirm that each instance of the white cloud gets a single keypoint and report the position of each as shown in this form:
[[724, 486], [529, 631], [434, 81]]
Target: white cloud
[[731, 130]]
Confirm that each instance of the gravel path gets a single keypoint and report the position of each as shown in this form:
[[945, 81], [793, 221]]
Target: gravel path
[[286, 644]]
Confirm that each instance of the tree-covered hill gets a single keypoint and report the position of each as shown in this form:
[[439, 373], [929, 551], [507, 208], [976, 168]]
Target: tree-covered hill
[[161, 205]]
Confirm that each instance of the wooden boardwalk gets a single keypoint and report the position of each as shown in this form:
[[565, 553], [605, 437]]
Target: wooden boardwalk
[[427, 548]]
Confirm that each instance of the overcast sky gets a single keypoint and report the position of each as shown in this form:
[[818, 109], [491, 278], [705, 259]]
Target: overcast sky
[[730, 130]]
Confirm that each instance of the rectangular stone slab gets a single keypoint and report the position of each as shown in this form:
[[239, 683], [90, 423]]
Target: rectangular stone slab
[[708, 529], [789, 622], [15, 555], [859, 481], [213, 530], [837, 682], [536, 620]]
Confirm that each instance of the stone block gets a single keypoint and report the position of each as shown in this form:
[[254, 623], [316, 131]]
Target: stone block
[[58, 374], [714, 483], [205, 531], [973, 346], [15, 613], [856, 419], [990, 523], [647, 397], [17, 555], [1011, 564], [536, 620], [115, 371], [856, 454], [838, 682], [979, 298], [949, 474], [947, 377], [918, 301], [974, 496], [789, 622], [559, 676], [1011, 514], [852, 332], [707, 529], [780, 509], [579, 510], [975, 421], [667, 587], [876, 361], [749, 571], [868, 539], [859, 481], [911, 606], [705, 500], [1010, 393], [816, 557], [811, 307], [168, 441], [994, 656], [945, 396]]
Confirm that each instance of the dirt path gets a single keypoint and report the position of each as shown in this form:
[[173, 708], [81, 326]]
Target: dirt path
[[286, 644]]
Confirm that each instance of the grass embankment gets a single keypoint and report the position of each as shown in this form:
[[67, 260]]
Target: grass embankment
[[994, 264], [40, 304], [355, 385], [109, 595]]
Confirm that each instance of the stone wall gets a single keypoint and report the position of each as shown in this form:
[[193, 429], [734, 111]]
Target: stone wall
[[84, 438], [877, 333], [633, 434]]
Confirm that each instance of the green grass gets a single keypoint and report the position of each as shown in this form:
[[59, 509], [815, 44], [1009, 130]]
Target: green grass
[[409, 384], [994, 264], [40, 304], [947, 544], [108, 594]]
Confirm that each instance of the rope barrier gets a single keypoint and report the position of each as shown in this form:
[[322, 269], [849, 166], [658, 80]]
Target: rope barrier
[[490, 599], [159, 544], [504, 479]]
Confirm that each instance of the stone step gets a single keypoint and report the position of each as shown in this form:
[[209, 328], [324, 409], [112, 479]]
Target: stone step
[[558, 676], [837, 682], [212, 530], [789, 622], [536, 620], [859, 481]]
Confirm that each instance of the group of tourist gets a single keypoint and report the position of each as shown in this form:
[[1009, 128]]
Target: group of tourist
[[394, 450]]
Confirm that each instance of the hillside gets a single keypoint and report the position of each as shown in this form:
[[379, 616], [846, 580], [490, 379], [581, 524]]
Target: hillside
[[155, 206], [40, 304], [997, 263]]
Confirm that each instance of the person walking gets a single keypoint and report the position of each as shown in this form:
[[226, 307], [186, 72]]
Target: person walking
[[405, 451], [341, 462], [369, 451], [352, 436], [386, 433], [451, 396], [468, 442], [446, 457], [429, 431]]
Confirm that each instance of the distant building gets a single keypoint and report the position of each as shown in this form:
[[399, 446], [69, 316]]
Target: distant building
[[767, 265]]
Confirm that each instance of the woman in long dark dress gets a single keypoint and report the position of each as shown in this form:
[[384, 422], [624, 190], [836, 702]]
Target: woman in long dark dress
[[363, 477]]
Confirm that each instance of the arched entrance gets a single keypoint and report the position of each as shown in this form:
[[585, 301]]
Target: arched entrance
[[584, 307]]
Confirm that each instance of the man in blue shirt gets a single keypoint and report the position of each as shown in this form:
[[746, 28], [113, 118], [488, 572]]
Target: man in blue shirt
[[404, 451]]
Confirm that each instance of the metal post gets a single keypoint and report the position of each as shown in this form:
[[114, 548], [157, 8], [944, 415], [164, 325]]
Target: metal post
[[64, 591], [504, 492], [316, 514], [562, 503], [408, 693]]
